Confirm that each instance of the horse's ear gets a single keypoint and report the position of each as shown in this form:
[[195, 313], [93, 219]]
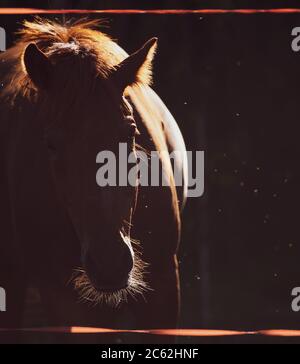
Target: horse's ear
[[38, 66], [137, 67]]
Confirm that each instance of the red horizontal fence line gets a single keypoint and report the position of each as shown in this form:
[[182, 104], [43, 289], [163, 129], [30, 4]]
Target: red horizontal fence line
[[171, 332], [9, 11]]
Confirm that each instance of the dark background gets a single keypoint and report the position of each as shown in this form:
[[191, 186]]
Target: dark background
[[232, 82]]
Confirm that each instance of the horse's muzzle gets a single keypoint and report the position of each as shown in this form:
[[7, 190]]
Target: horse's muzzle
[[110, 269]]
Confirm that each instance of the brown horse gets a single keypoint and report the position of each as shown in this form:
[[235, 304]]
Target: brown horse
[[68, 92]]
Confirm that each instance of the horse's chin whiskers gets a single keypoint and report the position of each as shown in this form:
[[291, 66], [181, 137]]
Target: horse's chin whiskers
[[88, 293]]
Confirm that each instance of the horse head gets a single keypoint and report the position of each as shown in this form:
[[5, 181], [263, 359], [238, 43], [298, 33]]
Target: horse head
[[84, 111]]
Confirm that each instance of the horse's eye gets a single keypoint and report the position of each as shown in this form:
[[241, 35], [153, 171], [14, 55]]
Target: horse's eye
[[132, 131]]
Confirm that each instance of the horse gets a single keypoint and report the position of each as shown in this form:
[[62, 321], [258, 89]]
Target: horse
[[97, 256]]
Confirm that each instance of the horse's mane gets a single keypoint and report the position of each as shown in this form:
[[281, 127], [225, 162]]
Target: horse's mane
[[76, 39]]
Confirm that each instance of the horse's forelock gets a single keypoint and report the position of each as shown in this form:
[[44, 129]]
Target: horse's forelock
[[74, 38], [58, 41]]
